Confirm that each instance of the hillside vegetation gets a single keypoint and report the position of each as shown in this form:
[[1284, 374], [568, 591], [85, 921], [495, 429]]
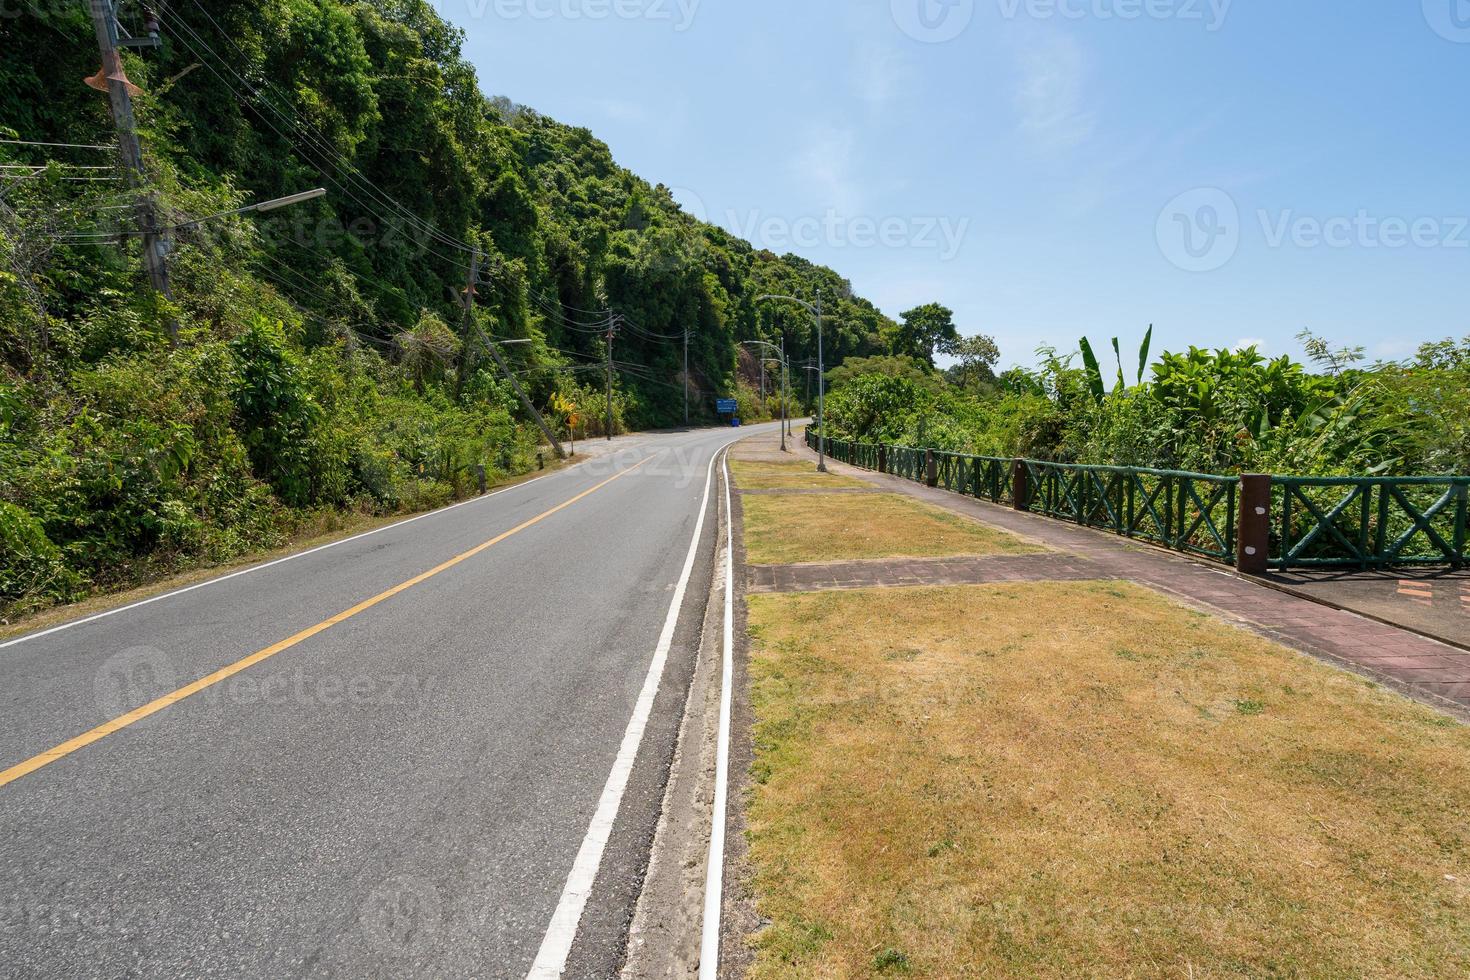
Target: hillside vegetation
[[325, 363]]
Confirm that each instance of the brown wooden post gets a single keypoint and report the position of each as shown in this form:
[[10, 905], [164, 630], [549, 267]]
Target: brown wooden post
[[882, 459], [931, 469], [1019, 485], [1253, 534]]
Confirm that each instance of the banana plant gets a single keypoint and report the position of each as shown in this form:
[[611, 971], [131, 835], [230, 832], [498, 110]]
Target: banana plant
[[1094, 369]]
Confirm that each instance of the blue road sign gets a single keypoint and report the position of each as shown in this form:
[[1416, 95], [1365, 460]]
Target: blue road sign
[[726, 406]]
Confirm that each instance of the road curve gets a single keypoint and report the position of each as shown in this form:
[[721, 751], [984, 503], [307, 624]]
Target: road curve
[[386, 755]]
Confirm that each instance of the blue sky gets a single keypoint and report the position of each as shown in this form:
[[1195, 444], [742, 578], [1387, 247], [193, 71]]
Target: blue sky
[[1228, 171]]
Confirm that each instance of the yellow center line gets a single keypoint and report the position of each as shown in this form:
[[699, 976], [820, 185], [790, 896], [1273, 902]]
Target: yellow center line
[[224, 673]]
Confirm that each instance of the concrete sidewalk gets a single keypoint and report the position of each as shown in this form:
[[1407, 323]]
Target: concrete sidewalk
[[1425, 669]]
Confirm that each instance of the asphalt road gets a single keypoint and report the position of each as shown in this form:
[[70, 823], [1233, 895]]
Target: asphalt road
[[401, 793]]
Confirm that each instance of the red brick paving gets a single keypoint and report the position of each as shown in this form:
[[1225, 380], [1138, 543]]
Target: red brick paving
[[1425, 669]]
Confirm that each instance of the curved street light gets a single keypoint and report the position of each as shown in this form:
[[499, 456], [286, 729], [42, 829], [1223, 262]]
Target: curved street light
[[261, 206], [816, 312], [780, 359]]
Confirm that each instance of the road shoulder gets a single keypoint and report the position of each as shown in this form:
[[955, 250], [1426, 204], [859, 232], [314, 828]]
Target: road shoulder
[[664, 941]]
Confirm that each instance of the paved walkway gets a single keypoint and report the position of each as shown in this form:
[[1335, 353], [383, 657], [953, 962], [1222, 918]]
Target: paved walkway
[[1426, 669], [889, 572]]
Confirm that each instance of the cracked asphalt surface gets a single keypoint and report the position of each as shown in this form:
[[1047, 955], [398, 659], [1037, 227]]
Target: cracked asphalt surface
[[401, 794]]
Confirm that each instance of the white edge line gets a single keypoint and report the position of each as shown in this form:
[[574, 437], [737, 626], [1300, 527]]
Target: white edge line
[[270, 564], [714, 877], [551, 958]]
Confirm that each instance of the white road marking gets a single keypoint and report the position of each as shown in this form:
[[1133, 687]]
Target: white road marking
[[270, 564], [551, 959], [714, 876]]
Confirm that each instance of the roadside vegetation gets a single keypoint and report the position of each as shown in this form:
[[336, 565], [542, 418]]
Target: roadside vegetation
[[1073, 779], [1212, 411], [326, 370]]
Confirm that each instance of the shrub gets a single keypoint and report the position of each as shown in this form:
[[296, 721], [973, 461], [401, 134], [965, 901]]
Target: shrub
[[32, 568]]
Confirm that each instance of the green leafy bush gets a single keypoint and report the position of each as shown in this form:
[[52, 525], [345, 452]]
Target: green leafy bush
[[32, 568]]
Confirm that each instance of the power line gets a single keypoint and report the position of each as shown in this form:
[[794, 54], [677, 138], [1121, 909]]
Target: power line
[[51, 163], [574, 309], [346, 192], [309, 135], [67, 146], [542, 302], [651, 334]]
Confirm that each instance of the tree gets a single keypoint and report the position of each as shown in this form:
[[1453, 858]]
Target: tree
[[977, 357], [1331, 361], [925, 331], [891, 366]]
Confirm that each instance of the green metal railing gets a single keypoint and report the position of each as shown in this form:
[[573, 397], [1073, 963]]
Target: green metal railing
[[986, 477], [1191, 512], [1314, 522], [1368, 522]]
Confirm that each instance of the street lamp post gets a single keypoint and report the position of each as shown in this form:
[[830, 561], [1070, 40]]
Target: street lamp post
[[815, 311], [780, 359], [260, 207], [156, 240]]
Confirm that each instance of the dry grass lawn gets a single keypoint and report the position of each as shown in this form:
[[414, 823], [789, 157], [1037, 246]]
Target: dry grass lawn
[[762, 475], [839, 527], [1083, 779]]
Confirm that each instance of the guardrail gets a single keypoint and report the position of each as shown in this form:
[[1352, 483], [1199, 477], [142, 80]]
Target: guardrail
[[1255, 521]]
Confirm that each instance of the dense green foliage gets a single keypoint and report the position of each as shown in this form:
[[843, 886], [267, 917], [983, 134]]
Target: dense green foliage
[[1207, 411], [325, 360]]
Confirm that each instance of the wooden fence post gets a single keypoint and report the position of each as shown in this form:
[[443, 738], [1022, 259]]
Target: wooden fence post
[[1019, 485], [1253, 533], [882, 458], [931, 469]]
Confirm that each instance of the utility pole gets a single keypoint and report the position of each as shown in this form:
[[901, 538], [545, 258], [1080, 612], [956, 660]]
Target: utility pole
[[821, 393], [474, 323], [469, 322], [785, 394], [104, 20], [686, 377], [612, 329]]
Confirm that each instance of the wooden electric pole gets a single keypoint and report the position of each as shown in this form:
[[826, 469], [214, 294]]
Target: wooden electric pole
[[104, 20], [612, 331]]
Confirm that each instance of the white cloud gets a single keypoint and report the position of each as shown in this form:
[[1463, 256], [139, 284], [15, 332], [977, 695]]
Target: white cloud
[[1244, 342], [1051, 92]]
